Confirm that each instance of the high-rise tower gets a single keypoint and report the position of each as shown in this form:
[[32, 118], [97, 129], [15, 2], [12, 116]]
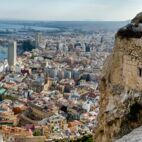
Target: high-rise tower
[[38, 40], [12, 54]]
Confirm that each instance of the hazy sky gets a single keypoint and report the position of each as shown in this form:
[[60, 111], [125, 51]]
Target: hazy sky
[[69, 9]]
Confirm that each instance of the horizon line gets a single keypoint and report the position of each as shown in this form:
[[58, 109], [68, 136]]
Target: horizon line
[[34, 20]]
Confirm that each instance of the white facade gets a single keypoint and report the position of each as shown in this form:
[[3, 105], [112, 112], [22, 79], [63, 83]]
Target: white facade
[[87, 106], [3, 66], [1, 138]]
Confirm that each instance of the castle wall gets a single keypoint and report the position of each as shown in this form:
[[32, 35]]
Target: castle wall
[[131, 74]]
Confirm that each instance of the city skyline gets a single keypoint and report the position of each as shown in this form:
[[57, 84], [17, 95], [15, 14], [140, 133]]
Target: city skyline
[[69, 10]]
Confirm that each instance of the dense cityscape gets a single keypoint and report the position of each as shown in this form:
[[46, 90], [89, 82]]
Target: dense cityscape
[[49, 83], [70, 71]]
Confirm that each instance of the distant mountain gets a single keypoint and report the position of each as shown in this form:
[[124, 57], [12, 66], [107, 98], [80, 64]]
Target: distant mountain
[[70, 25], [88, 25]]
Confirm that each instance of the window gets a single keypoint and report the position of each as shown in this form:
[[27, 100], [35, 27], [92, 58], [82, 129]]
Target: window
[[140, 72]]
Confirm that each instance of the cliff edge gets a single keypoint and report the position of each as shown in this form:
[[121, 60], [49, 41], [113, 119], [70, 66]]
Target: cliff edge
[[134, 136], [121, 85]]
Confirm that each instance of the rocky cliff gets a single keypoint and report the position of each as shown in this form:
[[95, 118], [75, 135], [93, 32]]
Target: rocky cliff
[[121, 86], [134, 136]]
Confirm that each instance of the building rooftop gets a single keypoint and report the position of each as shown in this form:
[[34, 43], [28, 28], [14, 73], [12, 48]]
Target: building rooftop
[[2, 91]]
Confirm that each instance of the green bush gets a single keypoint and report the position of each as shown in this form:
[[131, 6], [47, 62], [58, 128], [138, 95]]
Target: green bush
[[37, 132]]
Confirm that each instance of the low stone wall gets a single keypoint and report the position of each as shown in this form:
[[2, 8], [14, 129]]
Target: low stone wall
[[30, 139], [29, 120]]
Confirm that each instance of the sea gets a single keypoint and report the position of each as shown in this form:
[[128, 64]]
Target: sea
[[3, 53]]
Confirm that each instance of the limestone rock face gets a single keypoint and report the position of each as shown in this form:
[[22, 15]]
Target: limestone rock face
[[134, 136], [121, 88], [137, 19]]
